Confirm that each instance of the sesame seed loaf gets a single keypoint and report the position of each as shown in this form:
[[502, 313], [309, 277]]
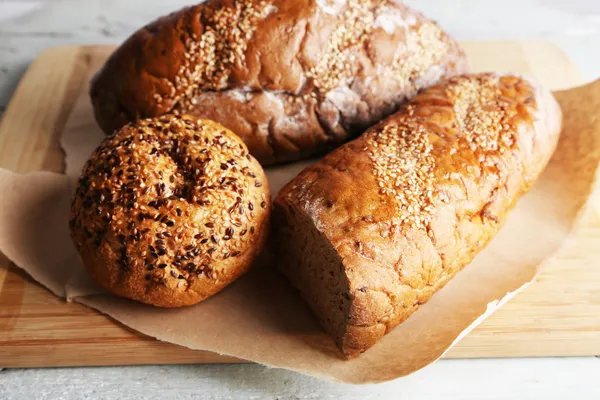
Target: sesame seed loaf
[[380, 224], [170, 210], [291, 78]]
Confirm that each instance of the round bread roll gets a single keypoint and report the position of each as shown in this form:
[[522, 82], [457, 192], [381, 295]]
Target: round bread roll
[[169, 211]]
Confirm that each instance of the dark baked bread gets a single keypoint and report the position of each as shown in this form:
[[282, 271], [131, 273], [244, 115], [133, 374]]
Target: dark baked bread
[[374, 229], [170, 211], [291, 78]]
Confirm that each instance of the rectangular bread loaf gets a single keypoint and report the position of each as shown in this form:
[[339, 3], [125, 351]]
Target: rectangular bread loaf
[[379, 225]]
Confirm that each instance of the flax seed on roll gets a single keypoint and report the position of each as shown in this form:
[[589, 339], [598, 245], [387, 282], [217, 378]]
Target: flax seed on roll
[[170, 210]]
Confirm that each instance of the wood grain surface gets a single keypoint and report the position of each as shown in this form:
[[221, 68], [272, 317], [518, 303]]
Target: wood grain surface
[[559, 315]]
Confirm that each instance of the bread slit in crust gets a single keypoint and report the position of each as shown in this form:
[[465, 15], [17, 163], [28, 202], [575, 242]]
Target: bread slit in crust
[[412, 201]]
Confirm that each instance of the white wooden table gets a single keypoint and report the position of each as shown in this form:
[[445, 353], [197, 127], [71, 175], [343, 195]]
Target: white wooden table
[[29, 26]]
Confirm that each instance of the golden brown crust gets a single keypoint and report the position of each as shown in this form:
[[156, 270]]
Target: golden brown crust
[[170, 210], [291, 78], [411, 202]]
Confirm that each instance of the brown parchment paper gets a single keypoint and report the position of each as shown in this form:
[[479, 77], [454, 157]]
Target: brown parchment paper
[[260, 317]]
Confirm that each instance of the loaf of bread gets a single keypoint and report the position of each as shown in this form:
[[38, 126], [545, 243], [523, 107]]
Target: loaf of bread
[[170, 211], [291, 78], [379, 225]]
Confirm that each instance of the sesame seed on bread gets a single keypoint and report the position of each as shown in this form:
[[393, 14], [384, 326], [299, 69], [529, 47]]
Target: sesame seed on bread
[[169, 211], [291, 78], [392, 216]]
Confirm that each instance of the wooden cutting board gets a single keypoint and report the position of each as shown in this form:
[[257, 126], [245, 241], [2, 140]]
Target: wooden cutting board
[[559, 315]]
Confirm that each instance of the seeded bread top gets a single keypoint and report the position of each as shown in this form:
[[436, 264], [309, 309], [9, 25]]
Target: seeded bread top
[[487, 110], [463, 125], [294, 76], [171, 201]]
